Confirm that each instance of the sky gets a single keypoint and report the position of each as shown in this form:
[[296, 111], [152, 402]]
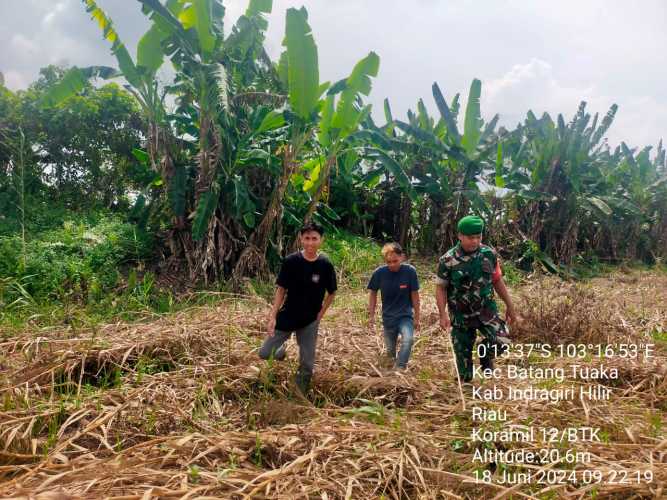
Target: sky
[[529, 54]]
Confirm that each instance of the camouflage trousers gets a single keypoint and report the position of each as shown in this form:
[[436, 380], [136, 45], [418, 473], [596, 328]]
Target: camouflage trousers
[[463, 339]]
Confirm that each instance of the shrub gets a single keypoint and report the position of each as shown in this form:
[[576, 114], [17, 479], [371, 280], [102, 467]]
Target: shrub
[[74, 259], [354, 257]]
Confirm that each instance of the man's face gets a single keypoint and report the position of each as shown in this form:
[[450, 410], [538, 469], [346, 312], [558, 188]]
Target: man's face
[[393, 261], [311, 241], [470, 243]]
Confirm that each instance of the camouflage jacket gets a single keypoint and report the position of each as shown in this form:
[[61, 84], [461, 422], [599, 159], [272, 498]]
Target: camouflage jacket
[[468, 281]]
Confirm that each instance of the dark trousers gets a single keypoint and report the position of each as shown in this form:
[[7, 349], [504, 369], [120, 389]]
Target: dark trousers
[[306, 338], [463, 339]]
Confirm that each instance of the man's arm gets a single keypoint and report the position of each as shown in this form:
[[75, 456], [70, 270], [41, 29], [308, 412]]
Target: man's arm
[[416, 306], [372, 303], [278, 300], [441, 301], [501, 289], [325, 305]]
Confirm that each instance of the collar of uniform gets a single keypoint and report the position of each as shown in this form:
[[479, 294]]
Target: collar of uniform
[[461, 255]]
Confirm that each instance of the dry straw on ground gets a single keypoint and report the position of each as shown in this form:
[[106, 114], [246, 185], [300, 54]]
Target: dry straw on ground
[[182, 408]]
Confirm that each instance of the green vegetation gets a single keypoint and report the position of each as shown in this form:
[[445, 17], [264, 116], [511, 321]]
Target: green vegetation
[[78, 259], [106, 190], [80, 263], [354, 257], [97, 269]]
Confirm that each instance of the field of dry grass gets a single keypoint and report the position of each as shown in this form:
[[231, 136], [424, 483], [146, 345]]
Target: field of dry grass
[[181, 407]]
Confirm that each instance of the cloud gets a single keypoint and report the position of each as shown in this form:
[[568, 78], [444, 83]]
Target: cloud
[[36, 33], [529, 55], [641, 121], [51, 16], [15, 80], [535, 86], [23, 45]]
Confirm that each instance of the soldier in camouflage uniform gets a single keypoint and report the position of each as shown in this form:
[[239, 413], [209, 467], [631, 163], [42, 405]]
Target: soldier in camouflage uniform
[[468, 274]]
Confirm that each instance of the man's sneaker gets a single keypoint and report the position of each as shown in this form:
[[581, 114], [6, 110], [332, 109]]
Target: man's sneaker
[[302, 383], [297, 392], [281, 353], [488, 365], [387, 362]]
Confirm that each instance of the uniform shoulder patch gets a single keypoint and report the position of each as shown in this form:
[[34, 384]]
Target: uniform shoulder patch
[[447, 259], [488, 251]]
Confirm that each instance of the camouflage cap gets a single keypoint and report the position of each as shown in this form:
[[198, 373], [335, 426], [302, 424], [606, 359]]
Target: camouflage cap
[[470, 224]]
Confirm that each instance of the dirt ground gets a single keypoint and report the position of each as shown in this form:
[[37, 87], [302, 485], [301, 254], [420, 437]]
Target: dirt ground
[[182, 407]]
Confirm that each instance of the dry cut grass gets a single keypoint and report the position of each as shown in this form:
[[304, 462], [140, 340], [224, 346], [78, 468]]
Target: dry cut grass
[[182, 408]]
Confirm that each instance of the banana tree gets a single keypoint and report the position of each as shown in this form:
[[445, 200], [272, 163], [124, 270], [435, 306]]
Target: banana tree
[[211, 72], [178, 40], [143, 85], [214, 77], [476, 149], [445, 166], [338, 121], [637, 197], [657, 212], [399, 156], [141, 82], [555, 173], [298, 70], [420, 151], [193, 39]]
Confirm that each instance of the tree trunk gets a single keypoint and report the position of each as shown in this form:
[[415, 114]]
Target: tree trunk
[[209, 151], [206, 259], [324, 176], [405, 220], [260, 237], [252, 260]]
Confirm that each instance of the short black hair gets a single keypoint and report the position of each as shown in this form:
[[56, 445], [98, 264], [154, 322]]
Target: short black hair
[[392, 248], [311, 226]]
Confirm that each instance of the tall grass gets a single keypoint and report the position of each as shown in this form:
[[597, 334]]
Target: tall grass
[[354, 257], [43, 276], [92, 270], [19, 152]]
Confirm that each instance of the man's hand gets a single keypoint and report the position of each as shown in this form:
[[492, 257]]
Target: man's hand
[[278, 300], [325, 305], [511, 316], [445, 322], [271, 326]]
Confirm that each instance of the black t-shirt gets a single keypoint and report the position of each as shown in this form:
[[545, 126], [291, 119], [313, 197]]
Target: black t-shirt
[[305, 283]]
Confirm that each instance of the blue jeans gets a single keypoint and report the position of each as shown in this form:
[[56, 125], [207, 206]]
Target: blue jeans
[[405, 328]]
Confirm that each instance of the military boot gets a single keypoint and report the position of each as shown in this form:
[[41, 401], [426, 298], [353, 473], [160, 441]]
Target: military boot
[[488, 365]]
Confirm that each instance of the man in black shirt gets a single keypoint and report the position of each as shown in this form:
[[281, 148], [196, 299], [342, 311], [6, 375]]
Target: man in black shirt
[[304, 278]]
